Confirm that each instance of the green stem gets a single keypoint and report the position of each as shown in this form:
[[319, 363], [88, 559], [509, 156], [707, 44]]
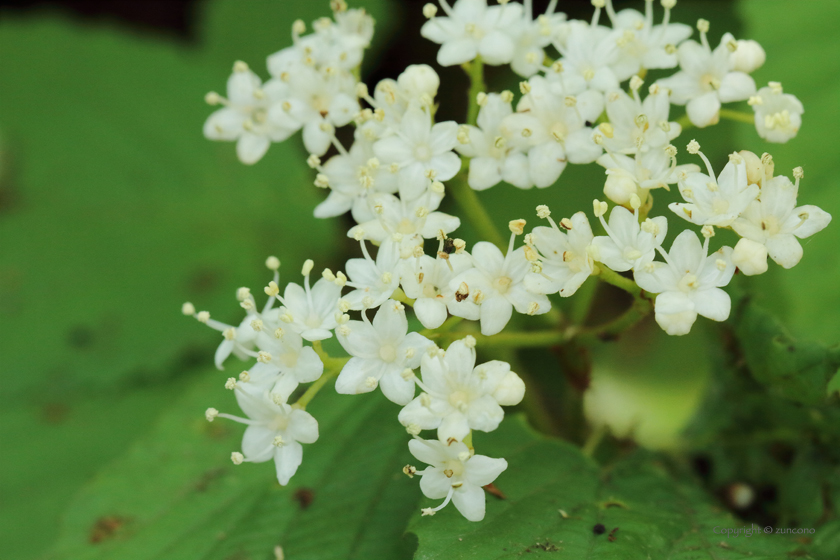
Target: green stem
[[594, 440], [474, 210], [315, 387], [475, 71], [638, 311], [527, 339], [731, 115], [619, 281], [331, 368]]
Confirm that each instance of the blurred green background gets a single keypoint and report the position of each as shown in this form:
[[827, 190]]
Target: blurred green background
[[114, 210]]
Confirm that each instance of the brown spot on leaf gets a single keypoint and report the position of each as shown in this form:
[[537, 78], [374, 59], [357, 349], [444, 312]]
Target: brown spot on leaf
[[203, 281], [611, 536], [304, 497], [207, 478], [106, 527], [81, 337], [54, 412]]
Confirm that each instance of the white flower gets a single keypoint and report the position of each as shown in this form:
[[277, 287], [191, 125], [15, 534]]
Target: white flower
[[459, 397], [252, 331], [565, 261], [381, 352], [496, 285], [275, 431], [374, 281], [715, 202], [552, 130], [531, 36], [352, 177], [310, 312], [455, 474], [590, 59], [629, 244], [778, 115], [645, 45], [421, 151], [321, 101], [408, 221], [628, 176], [492, 158], [639, 125], [428, 283], [249, 116], [282, 363], [706, 79], [688, 284], [776, 222], [471, 29]]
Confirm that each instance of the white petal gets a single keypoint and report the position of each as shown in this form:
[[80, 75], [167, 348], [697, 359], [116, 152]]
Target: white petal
[[250, 148], [303, 427], [469, 500], [257, 443], [287, 459], [736, 86], [457, 52], [713, 304], [703, 110], [431, 312], [395, 388], [353, 376], [495, 314], [481, 470], [785, 249]]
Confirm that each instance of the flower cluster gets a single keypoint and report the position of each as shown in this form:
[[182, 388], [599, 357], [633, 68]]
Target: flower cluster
[[584, 106]]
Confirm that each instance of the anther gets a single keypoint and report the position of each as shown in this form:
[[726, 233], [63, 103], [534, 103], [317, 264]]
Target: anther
[[203, 316], [210, 414], [272, 263], [693, 147], [188, 309], [236, 458], [517, 227]]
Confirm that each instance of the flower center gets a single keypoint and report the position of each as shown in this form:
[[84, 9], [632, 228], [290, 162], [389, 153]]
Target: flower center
[[688, 283], [720, 205], [406, 226], [388, 353], [502, 284], [770, 225], [422, 152], [313, 321], [430, 290], [460, 400], [710, 81], [279, 423], [289, 359]]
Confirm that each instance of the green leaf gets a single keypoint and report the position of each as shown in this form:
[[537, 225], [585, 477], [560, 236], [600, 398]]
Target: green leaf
[[175, 494], [113, 211], [555, 498], [793, 369]]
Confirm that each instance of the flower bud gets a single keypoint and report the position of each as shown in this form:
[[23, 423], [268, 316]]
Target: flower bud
[[748, 56], [620, 187], [750, 257], [419, 79]]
